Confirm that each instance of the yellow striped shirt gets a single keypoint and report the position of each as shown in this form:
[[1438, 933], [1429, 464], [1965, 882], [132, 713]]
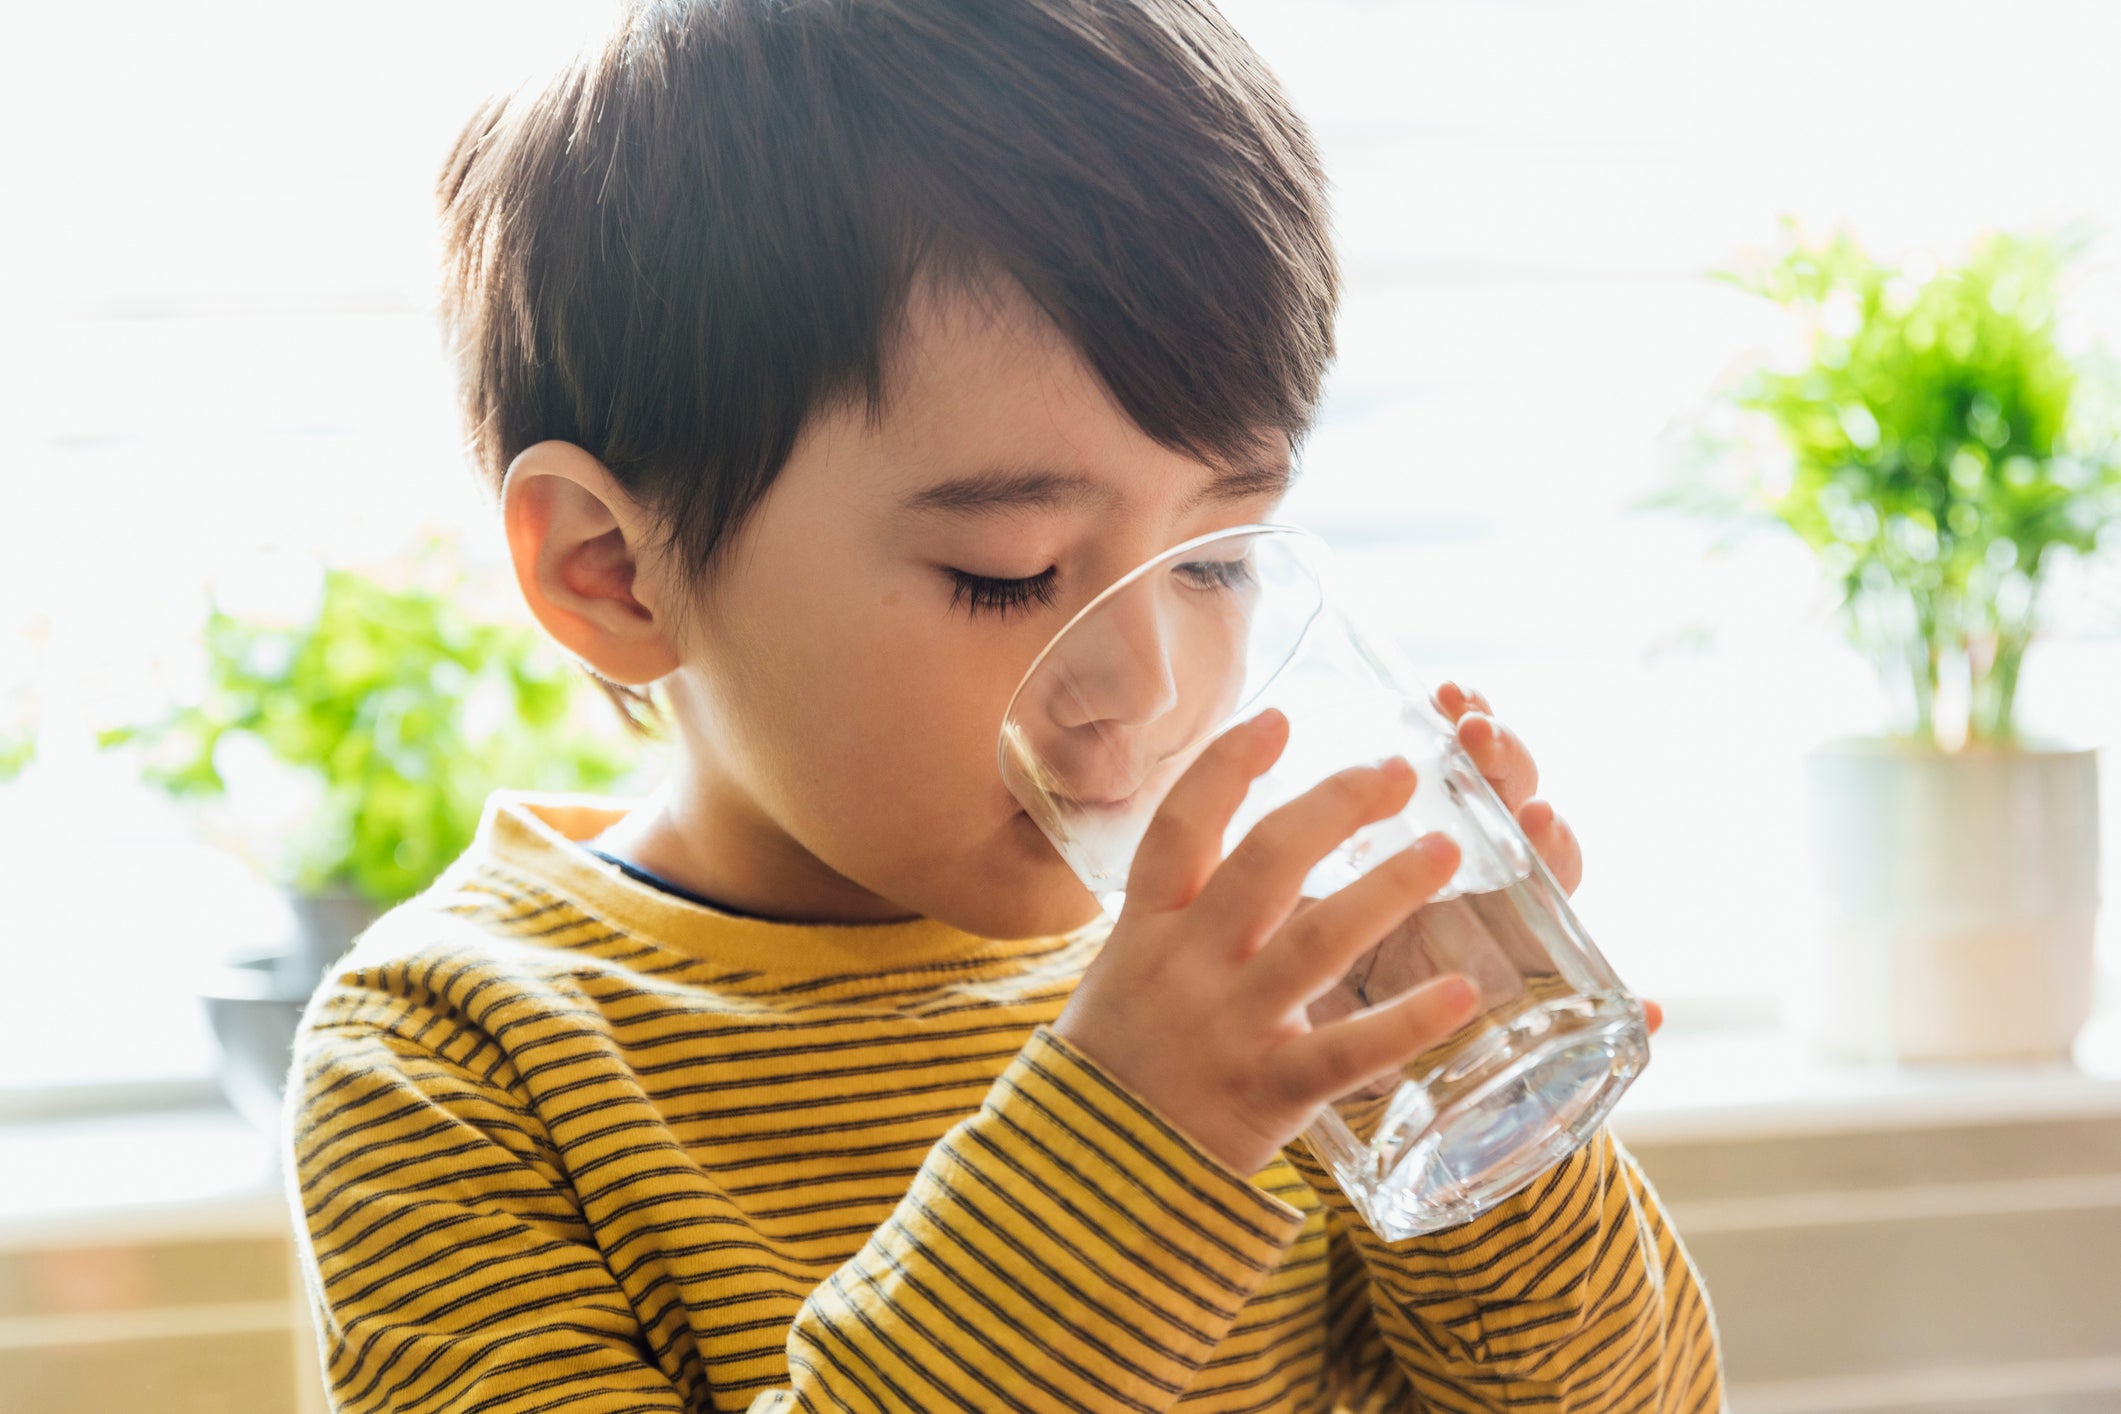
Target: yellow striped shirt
[[562, 1141]]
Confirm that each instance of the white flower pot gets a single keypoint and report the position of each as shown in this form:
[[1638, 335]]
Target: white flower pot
[[1959, 895]]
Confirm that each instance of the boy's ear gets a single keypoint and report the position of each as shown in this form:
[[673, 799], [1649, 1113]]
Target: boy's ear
[[578, 541]]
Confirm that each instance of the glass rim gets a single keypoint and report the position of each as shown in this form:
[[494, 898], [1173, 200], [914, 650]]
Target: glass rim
[[1254, 530]]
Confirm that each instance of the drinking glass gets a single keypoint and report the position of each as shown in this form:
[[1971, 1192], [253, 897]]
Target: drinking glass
[[1219, 628]]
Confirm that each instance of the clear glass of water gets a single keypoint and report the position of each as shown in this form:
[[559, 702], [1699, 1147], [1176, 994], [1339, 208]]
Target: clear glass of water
[[1207, 634]]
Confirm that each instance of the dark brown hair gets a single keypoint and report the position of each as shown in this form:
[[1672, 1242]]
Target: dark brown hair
[[704, 230]]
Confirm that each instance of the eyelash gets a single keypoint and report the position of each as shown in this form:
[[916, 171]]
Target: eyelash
[[979, 593]]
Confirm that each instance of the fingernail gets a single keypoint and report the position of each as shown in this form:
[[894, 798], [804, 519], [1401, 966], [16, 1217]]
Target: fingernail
[[1456, 993], [1396, 768]]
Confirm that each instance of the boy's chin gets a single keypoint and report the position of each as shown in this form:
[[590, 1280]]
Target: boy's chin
[[1035, 895]]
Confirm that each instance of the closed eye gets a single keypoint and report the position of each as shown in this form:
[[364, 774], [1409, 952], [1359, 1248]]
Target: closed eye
[[1001, 597]]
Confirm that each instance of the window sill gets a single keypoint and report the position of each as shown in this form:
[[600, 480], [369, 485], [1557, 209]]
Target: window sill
[[1768, 1082], [203, 1168], [88, 1179]]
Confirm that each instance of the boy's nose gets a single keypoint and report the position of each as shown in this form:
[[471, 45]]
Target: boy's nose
[[1121, 675]]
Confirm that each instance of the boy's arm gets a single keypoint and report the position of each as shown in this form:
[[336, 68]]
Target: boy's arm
[[1061, 1248], [447, 1263], [1576, 1291], [1365, 1376]]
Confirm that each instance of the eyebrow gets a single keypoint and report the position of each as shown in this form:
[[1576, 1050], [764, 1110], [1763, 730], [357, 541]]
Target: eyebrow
[[1000, 490]]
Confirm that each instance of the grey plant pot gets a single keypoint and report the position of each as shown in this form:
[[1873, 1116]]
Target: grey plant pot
[[1960, 896], [326, 926], [255, 1001]]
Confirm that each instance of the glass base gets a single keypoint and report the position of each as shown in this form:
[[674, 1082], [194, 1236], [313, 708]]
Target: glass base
[[1521, 1098]]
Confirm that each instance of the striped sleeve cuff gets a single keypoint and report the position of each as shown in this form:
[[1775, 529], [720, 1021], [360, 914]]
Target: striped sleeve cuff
[[1150, 1153], [1065, 1240], [1126, 1190]]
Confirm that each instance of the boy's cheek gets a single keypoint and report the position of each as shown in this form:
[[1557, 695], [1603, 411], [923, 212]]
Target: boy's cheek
[[891, 736]]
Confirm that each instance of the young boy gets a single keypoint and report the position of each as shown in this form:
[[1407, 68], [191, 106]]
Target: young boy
[[829, 354]]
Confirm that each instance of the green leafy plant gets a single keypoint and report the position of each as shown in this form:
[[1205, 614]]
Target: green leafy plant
[[404, 711], [1939, 447]]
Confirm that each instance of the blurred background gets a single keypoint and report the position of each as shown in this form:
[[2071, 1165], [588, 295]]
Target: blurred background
[[259, 655]]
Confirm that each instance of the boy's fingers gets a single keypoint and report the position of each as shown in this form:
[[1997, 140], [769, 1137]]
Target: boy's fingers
[[1183, 845], [1327, 1063], [1501, 756], [1315, 949], [1456, 701], [1556, 842], [1259, 883]]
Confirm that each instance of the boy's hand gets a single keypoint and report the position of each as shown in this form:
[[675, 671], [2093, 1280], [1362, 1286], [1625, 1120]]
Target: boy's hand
[[1197, 999], [1509, 767]]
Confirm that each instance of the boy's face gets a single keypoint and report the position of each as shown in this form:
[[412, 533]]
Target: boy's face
[[836, 713]]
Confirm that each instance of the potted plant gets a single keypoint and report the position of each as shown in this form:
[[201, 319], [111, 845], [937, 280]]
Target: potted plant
[[368, 735], [1938, 450]]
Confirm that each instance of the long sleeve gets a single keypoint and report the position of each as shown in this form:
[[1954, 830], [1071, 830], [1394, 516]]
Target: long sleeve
[[1064, 1248], [447, 1263], [1061, 1248], [1362, 1373], [1575, 1294]]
